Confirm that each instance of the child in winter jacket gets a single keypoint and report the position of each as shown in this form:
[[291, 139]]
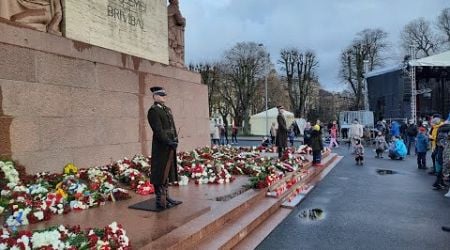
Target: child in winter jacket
[[316, 145], [380, 145], [422, 142], [359, 152]]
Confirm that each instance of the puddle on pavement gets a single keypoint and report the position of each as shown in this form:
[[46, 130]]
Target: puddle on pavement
[[385, 171], [314, 214]]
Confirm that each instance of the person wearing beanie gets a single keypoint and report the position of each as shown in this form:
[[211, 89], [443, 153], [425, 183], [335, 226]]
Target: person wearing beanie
[[436, 123], [422, 148], [316, 145], [359, 152]]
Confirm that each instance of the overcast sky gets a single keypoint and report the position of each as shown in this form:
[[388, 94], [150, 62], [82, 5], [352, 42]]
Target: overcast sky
[[325, 26]]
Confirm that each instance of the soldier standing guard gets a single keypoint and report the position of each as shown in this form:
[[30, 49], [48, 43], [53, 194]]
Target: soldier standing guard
[[282, 132], [164, 145]]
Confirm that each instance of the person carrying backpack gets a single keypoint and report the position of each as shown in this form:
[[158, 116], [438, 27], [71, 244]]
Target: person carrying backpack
[[411, 134]]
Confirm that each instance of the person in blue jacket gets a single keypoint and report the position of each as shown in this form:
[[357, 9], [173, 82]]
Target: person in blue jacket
[[422, 143], [395, 129], [398, 150]]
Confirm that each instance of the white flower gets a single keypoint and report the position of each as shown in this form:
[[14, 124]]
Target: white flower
[[10, 172], [114, 227], [5, 192], [20, 189], [47, 238], [3, 246], [14, 248], [39, 215], [184, 180], [25, 240]]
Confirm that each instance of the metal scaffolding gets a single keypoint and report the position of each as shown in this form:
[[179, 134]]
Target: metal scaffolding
[[412, 74]]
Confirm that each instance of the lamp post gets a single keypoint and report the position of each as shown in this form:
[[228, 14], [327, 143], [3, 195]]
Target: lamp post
[[366, 90], [265, 95]]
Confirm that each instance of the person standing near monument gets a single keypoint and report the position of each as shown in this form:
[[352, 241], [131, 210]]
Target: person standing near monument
[[164, 146], [282, 132], [177, 24]]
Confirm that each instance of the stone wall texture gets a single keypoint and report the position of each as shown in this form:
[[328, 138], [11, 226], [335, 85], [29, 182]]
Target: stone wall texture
[[63, 101]]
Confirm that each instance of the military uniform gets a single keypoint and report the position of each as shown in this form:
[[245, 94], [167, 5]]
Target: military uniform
[[165, 139], [282, 133], [161, 121]]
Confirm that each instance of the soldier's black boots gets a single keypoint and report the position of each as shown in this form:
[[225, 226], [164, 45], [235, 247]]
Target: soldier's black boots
[[161, 201], [171, 201]]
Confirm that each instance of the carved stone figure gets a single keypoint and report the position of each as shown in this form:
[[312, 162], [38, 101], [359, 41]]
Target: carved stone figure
[[177, 23], [42, 15]]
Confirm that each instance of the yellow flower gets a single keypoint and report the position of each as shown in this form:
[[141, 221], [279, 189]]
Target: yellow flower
[[61, 192], [70, 169]]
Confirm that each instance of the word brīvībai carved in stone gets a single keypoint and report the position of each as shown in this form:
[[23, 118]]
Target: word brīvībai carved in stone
[[42, 15], [176, 23]]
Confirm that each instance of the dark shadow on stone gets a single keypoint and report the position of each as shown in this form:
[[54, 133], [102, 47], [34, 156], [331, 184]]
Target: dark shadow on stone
[[147, 205], [232, 195]]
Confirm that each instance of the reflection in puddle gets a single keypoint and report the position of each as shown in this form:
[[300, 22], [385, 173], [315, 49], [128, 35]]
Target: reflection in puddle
[[385, 171], [312, 214]]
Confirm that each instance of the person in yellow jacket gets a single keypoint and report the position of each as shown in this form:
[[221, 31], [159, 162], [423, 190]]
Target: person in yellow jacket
[[436, 123]]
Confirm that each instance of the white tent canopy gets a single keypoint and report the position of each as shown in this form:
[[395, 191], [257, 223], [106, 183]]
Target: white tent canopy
[[258, 121], [439, 60]]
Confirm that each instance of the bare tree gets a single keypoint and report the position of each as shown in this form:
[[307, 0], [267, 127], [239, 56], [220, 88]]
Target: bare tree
[[243, 67], [369, 46], [418, 33], [210, 77], [443, 24], [277, 94], [300, 68]]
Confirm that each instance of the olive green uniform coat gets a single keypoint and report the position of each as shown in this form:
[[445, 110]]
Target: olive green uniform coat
[[161, 121], [282, 132]]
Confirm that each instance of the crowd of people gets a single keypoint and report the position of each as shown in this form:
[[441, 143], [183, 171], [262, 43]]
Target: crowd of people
[[398, 139], [408, 138]]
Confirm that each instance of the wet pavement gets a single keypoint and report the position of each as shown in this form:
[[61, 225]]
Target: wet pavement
[[365, 209]]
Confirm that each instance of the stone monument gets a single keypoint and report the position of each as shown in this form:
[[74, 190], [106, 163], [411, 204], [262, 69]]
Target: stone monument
[[82, 97], [42, 15], [177, 23], [134, 27]]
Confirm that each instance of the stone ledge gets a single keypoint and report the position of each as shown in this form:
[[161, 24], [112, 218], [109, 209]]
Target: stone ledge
[[49, 43]]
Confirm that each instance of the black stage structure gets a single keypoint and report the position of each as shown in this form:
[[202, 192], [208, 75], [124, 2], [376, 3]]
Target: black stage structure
[[389, 90]]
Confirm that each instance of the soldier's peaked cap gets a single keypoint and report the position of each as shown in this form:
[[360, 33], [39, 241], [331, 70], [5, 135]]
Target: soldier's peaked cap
[[158, 91]]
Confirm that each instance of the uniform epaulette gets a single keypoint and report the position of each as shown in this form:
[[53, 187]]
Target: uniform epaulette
[[157, 105]]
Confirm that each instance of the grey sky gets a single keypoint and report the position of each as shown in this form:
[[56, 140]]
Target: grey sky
[[325, 26]]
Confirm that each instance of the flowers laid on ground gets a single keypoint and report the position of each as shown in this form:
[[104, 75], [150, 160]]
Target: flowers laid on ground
[[217, 165], [112, 236], [33, 198]]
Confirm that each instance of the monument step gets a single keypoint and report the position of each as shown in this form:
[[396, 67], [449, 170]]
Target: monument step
[[255, 237], [237, 229], [227, 225], [191, 234]]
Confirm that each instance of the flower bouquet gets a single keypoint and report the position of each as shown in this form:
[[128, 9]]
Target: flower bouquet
[[112, 236]]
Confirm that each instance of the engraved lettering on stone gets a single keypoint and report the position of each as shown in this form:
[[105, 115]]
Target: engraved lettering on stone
[[127, 11]]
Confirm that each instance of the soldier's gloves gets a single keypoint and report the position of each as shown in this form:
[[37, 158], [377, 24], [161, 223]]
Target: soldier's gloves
[[173, 144]]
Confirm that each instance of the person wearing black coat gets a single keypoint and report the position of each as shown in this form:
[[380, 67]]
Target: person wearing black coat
[[164, 146], [282, 132], [316, 145]]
